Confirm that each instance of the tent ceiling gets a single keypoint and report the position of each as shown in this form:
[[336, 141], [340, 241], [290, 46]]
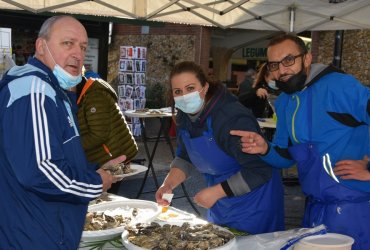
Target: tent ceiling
[[278, 15]]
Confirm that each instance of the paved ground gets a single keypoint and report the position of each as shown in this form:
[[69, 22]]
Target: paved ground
[[294, 200]]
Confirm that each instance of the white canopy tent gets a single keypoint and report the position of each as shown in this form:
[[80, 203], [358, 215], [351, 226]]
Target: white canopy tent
[[278, 15]]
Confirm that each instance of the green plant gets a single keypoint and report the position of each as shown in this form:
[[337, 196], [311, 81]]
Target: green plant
[[102, 244]]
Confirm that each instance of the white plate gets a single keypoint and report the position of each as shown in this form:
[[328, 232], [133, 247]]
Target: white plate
[[149, 211], [174, 215], [127, 244], [149, 113], [135, 168], [107, 197]]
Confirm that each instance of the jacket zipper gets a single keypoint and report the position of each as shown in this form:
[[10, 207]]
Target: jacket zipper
[[293, 118]]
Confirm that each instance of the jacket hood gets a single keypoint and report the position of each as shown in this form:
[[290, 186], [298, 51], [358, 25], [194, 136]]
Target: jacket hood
[[319, 70], [316, 68], [220, 97], [33, 65]]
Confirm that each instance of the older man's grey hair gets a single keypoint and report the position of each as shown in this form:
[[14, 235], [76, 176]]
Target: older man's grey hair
[[48, 24]]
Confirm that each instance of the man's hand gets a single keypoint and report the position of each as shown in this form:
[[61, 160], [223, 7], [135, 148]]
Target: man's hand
[[353, 169], [107, 179], [251, 142]]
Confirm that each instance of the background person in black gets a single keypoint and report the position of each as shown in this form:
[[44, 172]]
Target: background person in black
[[263, 90], [246, 85]]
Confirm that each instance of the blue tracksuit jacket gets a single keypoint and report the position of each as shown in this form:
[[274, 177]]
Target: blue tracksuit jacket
[[45, 181]]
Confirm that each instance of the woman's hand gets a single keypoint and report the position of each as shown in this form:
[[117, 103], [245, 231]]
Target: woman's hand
[[209, 196], [262, 93], [251, 142], [353, 169], [164, 189], [174, 178]]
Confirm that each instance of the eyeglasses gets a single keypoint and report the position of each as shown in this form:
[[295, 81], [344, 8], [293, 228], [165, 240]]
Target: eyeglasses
[[286, 62]]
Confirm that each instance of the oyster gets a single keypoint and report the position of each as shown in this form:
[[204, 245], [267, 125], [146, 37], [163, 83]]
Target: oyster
[[119, 169], [100, 221], [186, 236]]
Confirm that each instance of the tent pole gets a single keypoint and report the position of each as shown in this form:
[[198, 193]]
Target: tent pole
[[337, 58], [291, 18]]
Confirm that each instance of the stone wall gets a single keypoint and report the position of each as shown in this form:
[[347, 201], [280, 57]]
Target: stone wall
[[355, 52]]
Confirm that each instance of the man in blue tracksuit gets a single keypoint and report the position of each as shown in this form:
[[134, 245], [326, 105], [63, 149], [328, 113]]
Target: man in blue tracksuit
[[323, 120], [46, 182]]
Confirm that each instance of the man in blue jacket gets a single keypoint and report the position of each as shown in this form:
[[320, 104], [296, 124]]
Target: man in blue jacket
[[46, 182], [323, 120]]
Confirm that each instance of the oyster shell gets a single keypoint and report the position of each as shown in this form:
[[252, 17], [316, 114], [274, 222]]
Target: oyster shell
[[186, 236], [100, 221]]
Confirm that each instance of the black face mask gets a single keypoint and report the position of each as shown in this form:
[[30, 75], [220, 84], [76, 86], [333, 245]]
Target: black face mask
[[294, 84]]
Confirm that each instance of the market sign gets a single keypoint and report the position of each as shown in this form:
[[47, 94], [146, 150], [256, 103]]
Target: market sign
[[254, 53], [260, 53]]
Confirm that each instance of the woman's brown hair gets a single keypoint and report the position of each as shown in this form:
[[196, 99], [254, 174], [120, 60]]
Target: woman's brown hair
[[261, 75], [192, 67]]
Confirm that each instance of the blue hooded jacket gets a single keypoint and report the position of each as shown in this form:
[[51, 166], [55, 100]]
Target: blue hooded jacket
[[341, 120]]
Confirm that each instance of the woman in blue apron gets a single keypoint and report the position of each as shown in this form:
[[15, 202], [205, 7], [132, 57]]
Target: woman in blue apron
[[242, 191]]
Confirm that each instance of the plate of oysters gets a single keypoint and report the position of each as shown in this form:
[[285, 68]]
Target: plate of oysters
[[124, 170], [107, 220], [187, 235]]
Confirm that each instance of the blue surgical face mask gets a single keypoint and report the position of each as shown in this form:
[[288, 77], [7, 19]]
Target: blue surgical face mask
[[65, 79], [190, 103], [272, 84]]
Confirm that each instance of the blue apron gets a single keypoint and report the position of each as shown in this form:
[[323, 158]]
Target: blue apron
[[259, 211], [341, 209]]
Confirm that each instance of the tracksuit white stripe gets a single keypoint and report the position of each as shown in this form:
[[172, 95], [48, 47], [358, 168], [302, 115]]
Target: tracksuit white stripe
[[43, 151], [35, 132], [38, 116], [46, 127], [48, 150]]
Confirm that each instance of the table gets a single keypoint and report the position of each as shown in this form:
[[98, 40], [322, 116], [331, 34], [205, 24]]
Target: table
[[267, 241], [268, 125], [164, 116], [115, 243]]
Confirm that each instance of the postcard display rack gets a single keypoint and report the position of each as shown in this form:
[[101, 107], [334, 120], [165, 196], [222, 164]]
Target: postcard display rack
[[131, 82]]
